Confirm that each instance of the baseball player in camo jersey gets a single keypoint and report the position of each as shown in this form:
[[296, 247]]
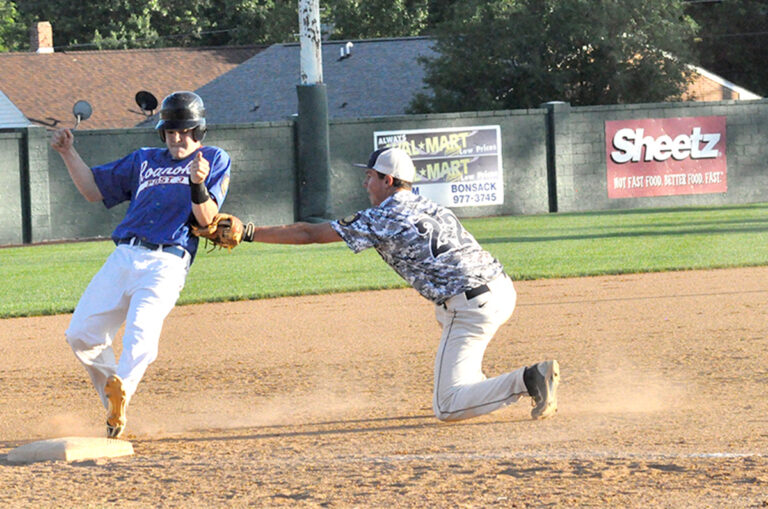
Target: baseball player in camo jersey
[[428, 247], [141, 280]]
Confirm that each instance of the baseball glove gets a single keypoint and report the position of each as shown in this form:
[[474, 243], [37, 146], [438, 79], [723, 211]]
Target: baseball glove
[[225, 230]]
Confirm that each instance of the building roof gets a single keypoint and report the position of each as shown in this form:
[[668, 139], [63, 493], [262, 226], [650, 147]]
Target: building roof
[[708, 86], [10, 115], [238, 84], [46, 86], [379, 77]]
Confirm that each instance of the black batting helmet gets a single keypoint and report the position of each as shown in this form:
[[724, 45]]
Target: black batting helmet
[[181, 111]]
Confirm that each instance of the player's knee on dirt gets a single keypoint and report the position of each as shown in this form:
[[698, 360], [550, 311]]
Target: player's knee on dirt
[[446, 416]]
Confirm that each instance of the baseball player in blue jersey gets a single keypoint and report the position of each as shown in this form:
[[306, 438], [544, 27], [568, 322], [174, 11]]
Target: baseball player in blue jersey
[[428, 247], [141, 280]]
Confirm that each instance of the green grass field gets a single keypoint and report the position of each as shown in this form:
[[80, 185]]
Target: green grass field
[[48, 279]]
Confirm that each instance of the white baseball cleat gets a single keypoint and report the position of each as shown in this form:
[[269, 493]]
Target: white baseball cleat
[[542, 380], [116, 419]]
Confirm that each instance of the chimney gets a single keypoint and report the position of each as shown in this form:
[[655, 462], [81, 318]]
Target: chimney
[[41, 37]]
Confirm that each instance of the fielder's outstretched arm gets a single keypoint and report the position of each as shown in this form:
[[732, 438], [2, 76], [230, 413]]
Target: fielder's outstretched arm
[[296, 233]]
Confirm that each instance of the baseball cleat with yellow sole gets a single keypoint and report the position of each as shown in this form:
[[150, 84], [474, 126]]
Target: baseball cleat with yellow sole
[[542, 380], [116, 419]]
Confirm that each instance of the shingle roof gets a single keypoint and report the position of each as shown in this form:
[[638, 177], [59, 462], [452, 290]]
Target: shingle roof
[[10, 115], [46, 86], [379, 78]]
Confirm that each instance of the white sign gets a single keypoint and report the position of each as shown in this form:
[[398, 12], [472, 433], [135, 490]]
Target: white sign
[[455, 167]]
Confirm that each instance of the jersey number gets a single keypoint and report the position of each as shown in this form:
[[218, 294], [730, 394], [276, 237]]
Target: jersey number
[[443, 232]]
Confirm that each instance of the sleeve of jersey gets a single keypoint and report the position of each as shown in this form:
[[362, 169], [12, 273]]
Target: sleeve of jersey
[[357, 230], [115, 179], [218, 183]]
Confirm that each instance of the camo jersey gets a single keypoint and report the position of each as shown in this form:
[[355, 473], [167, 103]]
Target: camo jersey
[[423, 242]]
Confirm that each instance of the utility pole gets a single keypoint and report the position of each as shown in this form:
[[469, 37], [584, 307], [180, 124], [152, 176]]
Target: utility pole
[[312, 126]]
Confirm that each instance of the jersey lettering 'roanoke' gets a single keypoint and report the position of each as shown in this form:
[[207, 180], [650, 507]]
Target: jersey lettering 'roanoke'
[[149, 177]]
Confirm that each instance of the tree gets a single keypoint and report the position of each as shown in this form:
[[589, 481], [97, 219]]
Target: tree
[[103, 24], [440, 11], [732, 40], [369, 19], [229, 22], [161, 23], [10, 31], [507, 54], [116, 24]]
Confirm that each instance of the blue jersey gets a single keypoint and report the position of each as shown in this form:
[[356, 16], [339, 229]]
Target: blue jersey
[[158, 188]]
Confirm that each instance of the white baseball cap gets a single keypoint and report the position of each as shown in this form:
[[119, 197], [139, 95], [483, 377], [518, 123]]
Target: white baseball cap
[[391, 161]]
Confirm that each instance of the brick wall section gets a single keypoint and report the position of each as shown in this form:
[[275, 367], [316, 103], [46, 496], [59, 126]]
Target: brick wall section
[[41, 37], [704, 89]]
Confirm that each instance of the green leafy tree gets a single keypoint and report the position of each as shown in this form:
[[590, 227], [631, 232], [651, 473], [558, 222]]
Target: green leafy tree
[[103, 24], [370, 19], [441, 11], [253, 21], [158, 23], [134, 31], [11, 32], [507, 54], [227, 22], [732, 40]]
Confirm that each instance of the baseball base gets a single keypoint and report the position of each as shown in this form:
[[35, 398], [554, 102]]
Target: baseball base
[[70, 449]]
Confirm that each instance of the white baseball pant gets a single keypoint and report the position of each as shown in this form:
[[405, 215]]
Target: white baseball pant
[[461, 388], [138, 287]]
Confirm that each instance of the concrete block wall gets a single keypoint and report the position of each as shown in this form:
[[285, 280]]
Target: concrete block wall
[[262, 185], [581, 154], [553, 160], [59, 211], [12, 145], [263, 182], [523, 138]]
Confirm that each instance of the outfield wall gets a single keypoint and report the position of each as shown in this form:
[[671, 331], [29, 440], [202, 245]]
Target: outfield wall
[[553, 159], [580, 153], [263, 186], [13, 170], [523, 150]]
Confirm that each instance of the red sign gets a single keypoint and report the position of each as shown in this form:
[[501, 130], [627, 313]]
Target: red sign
[[665, 156]]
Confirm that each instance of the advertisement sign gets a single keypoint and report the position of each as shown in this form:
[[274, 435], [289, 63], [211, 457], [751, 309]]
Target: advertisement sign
[[667, 156], [455, 167]]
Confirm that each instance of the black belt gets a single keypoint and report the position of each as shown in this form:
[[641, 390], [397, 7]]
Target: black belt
[[168, 248], [476, 291], [479, 290]]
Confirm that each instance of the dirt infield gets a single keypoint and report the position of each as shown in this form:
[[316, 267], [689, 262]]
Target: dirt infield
[[325, 401]]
